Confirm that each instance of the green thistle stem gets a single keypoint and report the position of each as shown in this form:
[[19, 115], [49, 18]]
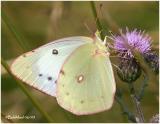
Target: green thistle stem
[[149, 76], [28, 94], [142, 88], [136, 102], [145, 67], [124, 109], [99, 26], [16, 34]]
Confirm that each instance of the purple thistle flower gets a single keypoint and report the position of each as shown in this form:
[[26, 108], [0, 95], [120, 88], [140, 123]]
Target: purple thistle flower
[[129, 69], [131, 40]]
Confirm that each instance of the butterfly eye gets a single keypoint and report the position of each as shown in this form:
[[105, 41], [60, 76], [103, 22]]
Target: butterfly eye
[[55, 51]]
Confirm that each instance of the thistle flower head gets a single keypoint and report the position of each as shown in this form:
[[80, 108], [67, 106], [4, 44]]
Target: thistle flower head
[[126, 44], [132, 40]]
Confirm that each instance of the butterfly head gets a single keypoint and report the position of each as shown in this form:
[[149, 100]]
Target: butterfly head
[[101, 45], [101, 48]]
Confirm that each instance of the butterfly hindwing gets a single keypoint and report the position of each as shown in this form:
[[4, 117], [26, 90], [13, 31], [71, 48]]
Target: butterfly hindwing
[[40, 67], [86, 82]]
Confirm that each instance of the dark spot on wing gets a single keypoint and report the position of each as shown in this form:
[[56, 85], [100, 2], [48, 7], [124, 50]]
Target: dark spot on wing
[[82, 101], [49, 78], [62, 72], [67, 93], [24, 55], [54, 51], [55, 81], [40, 75], [33, 51]]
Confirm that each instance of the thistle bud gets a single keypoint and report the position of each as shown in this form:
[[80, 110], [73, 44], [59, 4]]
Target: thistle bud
[[153, 61], [129, 70], [155, 119]]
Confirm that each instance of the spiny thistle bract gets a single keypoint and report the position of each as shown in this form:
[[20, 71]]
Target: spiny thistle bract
[[128, 70]]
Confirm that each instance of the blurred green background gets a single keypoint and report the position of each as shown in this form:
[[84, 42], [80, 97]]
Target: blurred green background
[[42, 22]]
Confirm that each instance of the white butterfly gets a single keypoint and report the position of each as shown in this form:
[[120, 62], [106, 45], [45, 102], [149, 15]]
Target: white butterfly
[[43, 69]]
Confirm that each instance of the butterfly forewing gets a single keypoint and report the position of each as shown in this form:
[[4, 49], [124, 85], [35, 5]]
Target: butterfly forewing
[[40, 67]]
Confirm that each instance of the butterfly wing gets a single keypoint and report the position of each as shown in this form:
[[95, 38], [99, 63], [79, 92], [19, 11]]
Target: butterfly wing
[[40, 67], [86, 83]]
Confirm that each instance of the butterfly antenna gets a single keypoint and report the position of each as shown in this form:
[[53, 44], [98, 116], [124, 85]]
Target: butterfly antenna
[[106, 16], [96, 19], [96, 24], [108, 44], [100, 8], [89, 29]]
